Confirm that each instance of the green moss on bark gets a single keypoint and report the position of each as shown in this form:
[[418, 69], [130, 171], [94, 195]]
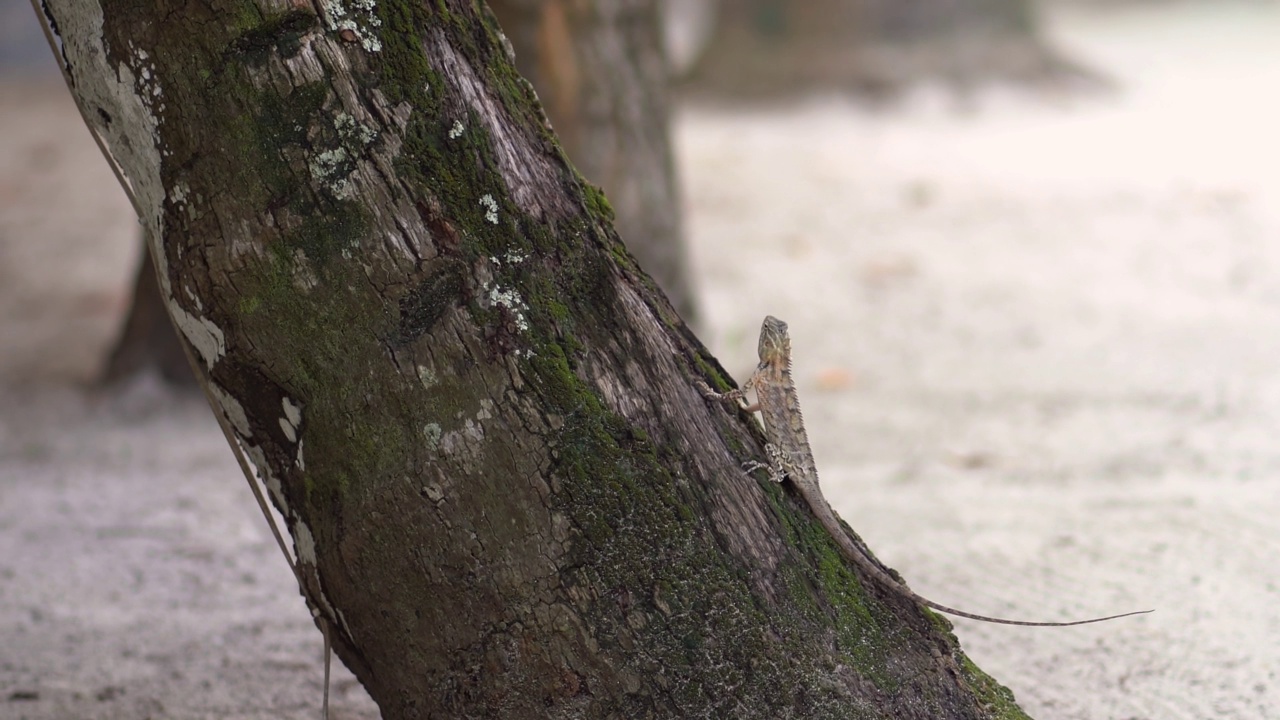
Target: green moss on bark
[[996, 699], [260, 37]]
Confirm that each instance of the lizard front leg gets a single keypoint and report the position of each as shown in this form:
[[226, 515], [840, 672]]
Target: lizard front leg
[[777, 465], [739, 394], [731, 396]]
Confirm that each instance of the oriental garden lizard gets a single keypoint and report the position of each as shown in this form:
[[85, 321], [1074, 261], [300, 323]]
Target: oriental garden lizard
[[791, 458]]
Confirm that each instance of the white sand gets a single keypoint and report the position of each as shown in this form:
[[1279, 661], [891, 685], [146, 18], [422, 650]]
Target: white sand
[[1038, 348], [1037, 343]]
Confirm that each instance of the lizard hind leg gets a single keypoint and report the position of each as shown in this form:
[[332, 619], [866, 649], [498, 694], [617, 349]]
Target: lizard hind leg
[[776, 468]]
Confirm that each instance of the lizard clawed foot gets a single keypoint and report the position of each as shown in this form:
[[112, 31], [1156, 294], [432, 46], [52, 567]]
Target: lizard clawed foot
[[753, 465]]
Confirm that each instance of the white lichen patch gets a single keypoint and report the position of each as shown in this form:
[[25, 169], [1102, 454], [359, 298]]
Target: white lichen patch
[[330, 168], [274, 486], [149, 90], [426, 376], [351, 130], [514, 304], [510, 258], [297, 460], [231, 409], [432, 432], [305, 543], [490, 208], [292, 412], [207, 338], [191, 294], [456, 131], [292, 417], [356, 16]]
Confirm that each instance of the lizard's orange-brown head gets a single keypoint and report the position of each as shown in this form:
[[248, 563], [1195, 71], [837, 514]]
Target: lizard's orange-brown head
[[775, 343]]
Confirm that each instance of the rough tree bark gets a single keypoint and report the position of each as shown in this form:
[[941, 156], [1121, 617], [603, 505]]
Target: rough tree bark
[[475, 413], [602, 76]]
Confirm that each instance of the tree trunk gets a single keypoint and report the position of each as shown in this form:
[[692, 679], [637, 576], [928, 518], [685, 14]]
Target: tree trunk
[[763, 49], [600, 72], [475, 413], [602, 77], [147, 338], [916, 21]]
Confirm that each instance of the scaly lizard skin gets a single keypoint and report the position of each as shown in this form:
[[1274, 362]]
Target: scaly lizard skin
[[791, 458]]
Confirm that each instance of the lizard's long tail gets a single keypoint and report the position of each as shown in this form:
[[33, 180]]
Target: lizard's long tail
[[974, 616], [860, 558]]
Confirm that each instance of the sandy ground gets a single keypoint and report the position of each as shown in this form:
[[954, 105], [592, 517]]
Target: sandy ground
[[1036, 341]]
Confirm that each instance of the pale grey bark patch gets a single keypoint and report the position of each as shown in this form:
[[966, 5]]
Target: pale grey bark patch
[[740, 516], [206, 337], [123, 100], [231, 409], [291, 421], [120, 102], [525, 171]]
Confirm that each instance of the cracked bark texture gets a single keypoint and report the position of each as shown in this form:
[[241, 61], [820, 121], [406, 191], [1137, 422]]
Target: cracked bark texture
[[601, 74], [474, 411]]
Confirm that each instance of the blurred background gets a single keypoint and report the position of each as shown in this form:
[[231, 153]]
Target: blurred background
[[1029, 253]]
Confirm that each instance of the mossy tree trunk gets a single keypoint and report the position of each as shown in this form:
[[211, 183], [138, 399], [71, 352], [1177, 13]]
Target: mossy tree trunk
[[602, 76], [476, 414]]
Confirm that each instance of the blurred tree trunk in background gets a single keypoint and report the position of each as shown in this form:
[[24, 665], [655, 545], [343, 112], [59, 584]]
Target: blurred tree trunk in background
[[600, 69], [601, 73], [147, 338], [916, 21], [763, 49]]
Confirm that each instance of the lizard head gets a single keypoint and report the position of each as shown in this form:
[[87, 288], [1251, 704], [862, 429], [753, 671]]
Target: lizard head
[[775, 343]]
